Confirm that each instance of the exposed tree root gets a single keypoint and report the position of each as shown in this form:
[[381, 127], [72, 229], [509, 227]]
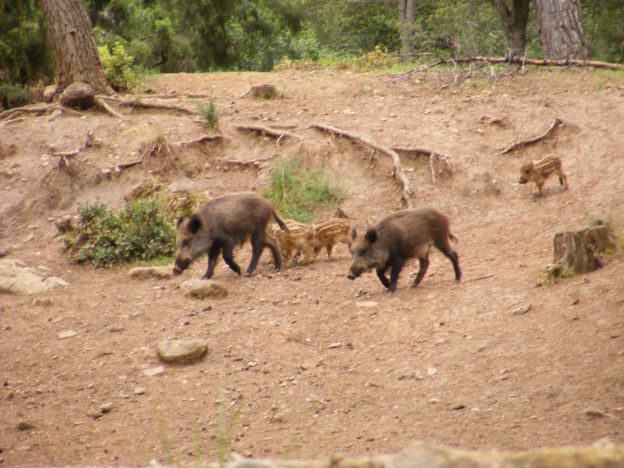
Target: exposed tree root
[[255, 163], [521, 143], [267, 131], [439, 163], [397, 172], [64, 160], [199, 141], [104, 106]]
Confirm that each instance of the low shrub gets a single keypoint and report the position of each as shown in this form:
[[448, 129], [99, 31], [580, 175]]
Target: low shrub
[[140, 230]]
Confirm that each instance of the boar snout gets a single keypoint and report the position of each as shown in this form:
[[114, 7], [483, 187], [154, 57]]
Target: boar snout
[[180, 265], [355, 272], [522, 180]]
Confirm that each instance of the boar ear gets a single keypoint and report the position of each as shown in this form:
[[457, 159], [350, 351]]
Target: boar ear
[[353, 233], [180, 221], [194, 224], [371, 235]]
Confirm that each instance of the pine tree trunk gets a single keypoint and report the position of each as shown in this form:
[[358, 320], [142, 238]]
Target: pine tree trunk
[[70, 38], [561, 30], [406, 20], [514, 18]]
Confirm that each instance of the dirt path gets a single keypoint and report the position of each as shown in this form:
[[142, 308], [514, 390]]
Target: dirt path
[[305, 362]]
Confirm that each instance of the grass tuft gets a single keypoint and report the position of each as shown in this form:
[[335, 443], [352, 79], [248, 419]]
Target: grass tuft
[[296, 192], [209, 113]]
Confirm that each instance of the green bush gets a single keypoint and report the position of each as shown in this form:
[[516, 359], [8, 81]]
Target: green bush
[[118, 67], [296, 192], [12, 96], [138, 231]]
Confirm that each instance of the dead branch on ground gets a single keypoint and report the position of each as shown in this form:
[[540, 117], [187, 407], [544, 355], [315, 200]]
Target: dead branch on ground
[[182, 95], [518, 61], [267, 131], [141, 103], [65, 156], [397, 172], [435, 159], [518, 144]]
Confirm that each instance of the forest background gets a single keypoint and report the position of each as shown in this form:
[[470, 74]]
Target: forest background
[[151, 36]]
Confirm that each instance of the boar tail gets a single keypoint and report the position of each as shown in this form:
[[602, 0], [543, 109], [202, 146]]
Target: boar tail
[[281, 222]]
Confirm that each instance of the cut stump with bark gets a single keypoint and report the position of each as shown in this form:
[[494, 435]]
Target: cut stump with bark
[[579, 252]]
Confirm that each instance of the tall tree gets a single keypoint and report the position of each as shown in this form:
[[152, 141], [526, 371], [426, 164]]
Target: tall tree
[[514, 16], [71, 40], [406, 22], [560, 28]]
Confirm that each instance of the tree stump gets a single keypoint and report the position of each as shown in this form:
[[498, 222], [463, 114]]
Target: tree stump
[[578, 252]]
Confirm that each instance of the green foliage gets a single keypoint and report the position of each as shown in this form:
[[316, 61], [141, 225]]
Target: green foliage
[[296, 192], [23, 54], [209, 113], [118, 66], [103, 237], [12, 96]]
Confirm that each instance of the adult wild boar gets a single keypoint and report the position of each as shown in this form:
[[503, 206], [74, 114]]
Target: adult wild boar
[[220, 224], [397, 238]]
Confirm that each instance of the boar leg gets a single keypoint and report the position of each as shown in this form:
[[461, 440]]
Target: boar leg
[[396, 267], [213, 255], [424, 264], [381, 274], [446, 249], [228, 256], [277, 257]]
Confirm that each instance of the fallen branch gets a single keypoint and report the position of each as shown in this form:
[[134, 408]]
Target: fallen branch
[[397, 172], [518, 144], [32, 108], [178, 96], [520, 61], [267, 131], [137, 103]]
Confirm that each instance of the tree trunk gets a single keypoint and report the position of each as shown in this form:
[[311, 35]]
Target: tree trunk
[[578, 252], [406, 20], [73, 47], [561, 30], [514, 18]]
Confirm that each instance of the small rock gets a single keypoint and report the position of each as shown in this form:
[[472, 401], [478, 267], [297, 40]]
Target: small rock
[[154, 371], [182, 351], [67, 334], [25, 426], [459, 406], [95, 413], [116, 329], [106, 407], [201, 289], [159, 272], [522, 309], [139, 390], [431, 371], [335, 345], [595, 413], [366, 304]]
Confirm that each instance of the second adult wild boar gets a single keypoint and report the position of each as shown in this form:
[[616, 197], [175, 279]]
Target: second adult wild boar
[[397, 238], [220, 224]]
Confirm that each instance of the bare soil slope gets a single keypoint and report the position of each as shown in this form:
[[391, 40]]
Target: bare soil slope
[[306, 362]]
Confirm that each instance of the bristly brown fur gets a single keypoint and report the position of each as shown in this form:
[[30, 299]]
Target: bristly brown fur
[[539, 171], [298, 239], [329, 233]]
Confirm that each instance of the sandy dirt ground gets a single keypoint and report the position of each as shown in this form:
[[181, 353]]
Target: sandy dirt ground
[[304, 362]]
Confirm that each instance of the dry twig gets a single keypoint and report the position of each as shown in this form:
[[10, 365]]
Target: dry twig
[[397, 172], [267, 131], [518, 144]]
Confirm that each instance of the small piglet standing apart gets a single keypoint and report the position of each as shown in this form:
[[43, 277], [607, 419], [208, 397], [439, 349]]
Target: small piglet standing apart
[[397, 238], [220, 224]]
